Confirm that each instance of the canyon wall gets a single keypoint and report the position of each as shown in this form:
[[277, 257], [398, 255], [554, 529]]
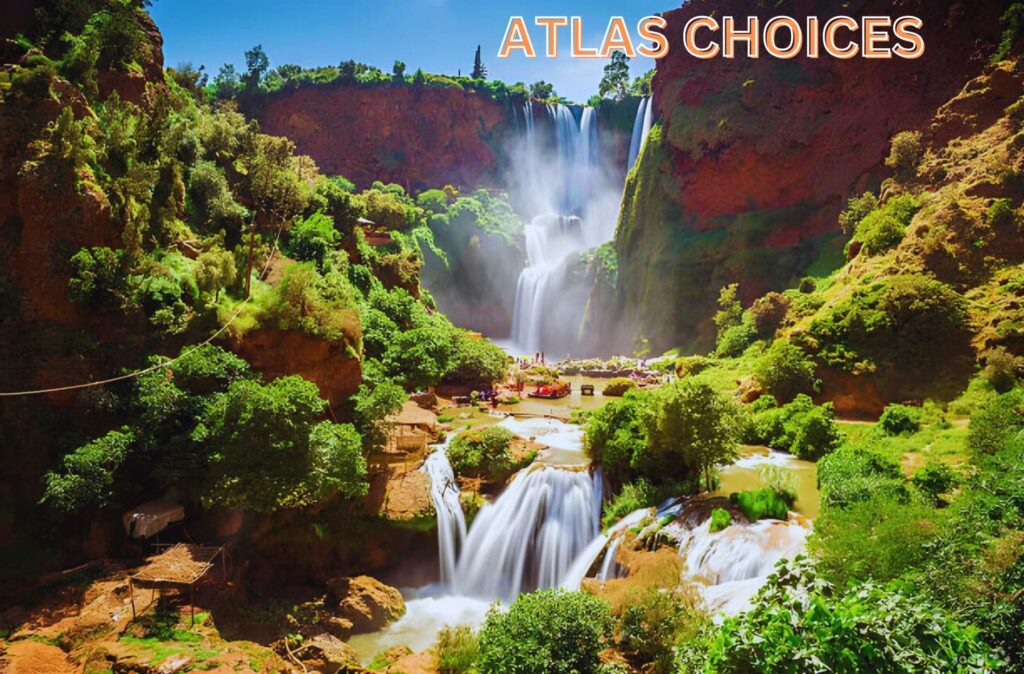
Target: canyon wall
[[419, 137], [755, 158]]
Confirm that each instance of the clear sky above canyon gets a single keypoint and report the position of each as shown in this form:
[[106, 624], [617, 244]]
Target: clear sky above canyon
[[439, 36]]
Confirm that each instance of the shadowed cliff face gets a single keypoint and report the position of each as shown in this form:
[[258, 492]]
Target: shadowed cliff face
[[757, 157], [417, 137]]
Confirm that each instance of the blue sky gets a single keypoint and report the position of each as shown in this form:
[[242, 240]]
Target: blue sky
[[378, 32]]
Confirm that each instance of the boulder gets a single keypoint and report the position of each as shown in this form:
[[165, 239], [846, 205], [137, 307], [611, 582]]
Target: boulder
[[367, 603], [328, 654]]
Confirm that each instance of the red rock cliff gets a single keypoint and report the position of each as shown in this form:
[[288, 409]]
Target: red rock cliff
[[418, 137], [757, 157]]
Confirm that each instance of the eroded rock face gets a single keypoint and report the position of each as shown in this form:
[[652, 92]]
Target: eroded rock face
[[278, 353], [367, 603], [418, 137], [757, 157], [328, 654]]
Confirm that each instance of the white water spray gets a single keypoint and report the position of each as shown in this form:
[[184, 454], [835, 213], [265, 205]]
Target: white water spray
[[451, 522]]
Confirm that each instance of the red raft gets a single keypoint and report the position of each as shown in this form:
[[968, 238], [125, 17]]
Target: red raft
[[552, 391]]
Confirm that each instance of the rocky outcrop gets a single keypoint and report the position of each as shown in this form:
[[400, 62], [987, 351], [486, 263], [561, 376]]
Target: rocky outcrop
[[332, 366], [756, 157], [419, 137], [368, 604]]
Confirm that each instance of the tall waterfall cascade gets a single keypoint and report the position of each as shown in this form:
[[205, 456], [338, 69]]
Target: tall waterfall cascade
[[571, 198], [451, 522]]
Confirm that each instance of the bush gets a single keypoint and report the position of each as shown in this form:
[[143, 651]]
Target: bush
[[878, 538], [311, 238], [857, 208], [735, 340], [807, 285], [769, 313], [691, 365], [900, 419], [477, 362], [551, 631], [1001, 369], [785, 371], [653, 623], [933, 479], [854, 474], [797, 619], [615, 439], [720, 519], [632, 497], [882, 229], [483, 453], [905, 154], [805, 430], [761, 504], [995, 424], [457, 650], [618, 386]]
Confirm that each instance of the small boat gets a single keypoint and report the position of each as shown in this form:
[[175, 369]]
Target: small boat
[[552, 391]]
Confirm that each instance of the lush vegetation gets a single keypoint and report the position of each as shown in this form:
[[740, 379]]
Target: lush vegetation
[[545, 631], [485, 453]]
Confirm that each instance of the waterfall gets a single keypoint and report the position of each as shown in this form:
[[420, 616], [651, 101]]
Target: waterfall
[[530, 536], [451, 522], [637, 137], [641, 128], [560, 183], [734, 563]]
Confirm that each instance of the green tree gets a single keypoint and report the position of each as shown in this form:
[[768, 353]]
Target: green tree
[[225, 83], [785, 371], [87, 475], [215, 270], [689, 427], [256, 66], [373, 405], [905, 155], [542, 91], [479, 70], [616, 77], [270, 451], [551, 631], [398, 72], [641, 86], [310, 239]]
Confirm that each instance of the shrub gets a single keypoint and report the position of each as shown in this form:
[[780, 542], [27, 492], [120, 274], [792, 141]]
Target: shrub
[[769, 313], [653, 623], [735, 340], [761, 504], [857, 208], [905, 154], [691, 365], [900, 419], [457, 650], [853, 474], [817, 433], [632, 497], [311, 238], [798, 618], [878, 538], [807, 285], [1001, 369], [483, 453], [933, 479], [801, 428], [552, 631], [615, 439], [785, 371], [477, 362], [995, 424], [618, 386], [720, 519], [883, 229]]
